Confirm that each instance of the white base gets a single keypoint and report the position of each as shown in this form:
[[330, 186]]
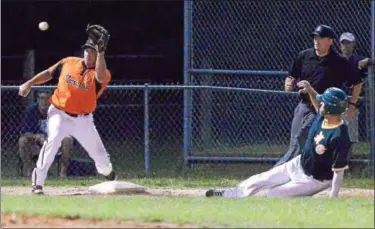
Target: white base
[[116, 187]]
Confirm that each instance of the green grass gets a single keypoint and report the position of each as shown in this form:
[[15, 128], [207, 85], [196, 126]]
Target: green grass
[[215, 212], [169, 172], [179, 182]]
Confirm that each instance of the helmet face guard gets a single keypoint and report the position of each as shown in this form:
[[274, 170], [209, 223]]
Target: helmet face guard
[[335, 101]]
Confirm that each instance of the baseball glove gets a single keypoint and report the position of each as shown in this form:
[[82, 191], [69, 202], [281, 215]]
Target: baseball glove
[[99, 35]]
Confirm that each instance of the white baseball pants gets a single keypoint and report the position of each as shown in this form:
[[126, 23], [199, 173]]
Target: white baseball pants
[[82, 128], [286, 180]]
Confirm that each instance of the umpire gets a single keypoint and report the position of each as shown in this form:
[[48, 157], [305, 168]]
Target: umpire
[[323, 67]]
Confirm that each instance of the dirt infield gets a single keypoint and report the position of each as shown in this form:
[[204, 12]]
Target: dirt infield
[[83, 191], [17, 221]]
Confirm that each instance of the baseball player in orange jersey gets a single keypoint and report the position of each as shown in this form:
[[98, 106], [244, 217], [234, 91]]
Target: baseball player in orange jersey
[[80, 83]]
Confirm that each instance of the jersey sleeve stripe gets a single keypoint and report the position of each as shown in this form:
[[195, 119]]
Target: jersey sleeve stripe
[[57, 71]]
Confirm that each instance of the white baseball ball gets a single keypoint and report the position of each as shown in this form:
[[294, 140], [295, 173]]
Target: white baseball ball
[[43, 26]]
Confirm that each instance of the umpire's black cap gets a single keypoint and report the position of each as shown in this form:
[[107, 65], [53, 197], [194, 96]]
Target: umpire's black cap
[[324, 31], [89, 44]]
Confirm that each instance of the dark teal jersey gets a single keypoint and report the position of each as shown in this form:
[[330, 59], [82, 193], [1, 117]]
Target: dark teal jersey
[[326, 150]]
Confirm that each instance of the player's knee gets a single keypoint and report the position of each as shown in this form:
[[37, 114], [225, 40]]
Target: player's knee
[[40, 139], [25, 146], [67, 142], [25, 139], [66, 147], [250, 182], [55, 142], [22, 141]]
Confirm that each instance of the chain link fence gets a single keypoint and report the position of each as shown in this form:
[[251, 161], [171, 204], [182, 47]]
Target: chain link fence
[[120, 121], [240, 123], [145, 136], [267, 110], [257, 40], [233, 108], [269, 34], [252, 123], [251, 44]]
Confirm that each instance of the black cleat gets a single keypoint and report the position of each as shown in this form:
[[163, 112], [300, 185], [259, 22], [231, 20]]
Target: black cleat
[[213, 192], [112, 176], [37, 190]]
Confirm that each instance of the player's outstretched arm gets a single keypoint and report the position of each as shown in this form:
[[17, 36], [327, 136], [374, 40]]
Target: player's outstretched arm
[[313, 94], [40, 78], [305, 87], [338, 177]]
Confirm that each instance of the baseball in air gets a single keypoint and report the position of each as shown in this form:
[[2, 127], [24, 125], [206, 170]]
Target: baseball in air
[[43, 26]]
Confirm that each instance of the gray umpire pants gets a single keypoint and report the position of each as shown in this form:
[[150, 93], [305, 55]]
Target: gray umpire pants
[[304, 115]]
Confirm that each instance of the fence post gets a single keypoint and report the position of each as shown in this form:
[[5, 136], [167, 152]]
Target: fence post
[[146, 130], [371, 79], [187, 79]]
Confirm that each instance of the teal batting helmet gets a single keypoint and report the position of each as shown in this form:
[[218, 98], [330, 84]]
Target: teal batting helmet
[[335, 101]]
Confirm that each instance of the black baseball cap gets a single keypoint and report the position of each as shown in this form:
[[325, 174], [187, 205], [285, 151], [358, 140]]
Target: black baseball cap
[[324, 31], [89, 44]]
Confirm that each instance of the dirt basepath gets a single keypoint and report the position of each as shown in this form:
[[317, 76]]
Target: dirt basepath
[[18, 221], [83, 191]]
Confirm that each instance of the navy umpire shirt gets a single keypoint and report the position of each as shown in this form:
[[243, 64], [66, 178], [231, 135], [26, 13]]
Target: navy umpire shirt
[[332, 70]]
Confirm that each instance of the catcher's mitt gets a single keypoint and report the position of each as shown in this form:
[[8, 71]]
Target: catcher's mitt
[[99, 35]]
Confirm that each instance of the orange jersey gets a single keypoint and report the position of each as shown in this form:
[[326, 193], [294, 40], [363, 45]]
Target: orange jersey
[[77, 89]]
